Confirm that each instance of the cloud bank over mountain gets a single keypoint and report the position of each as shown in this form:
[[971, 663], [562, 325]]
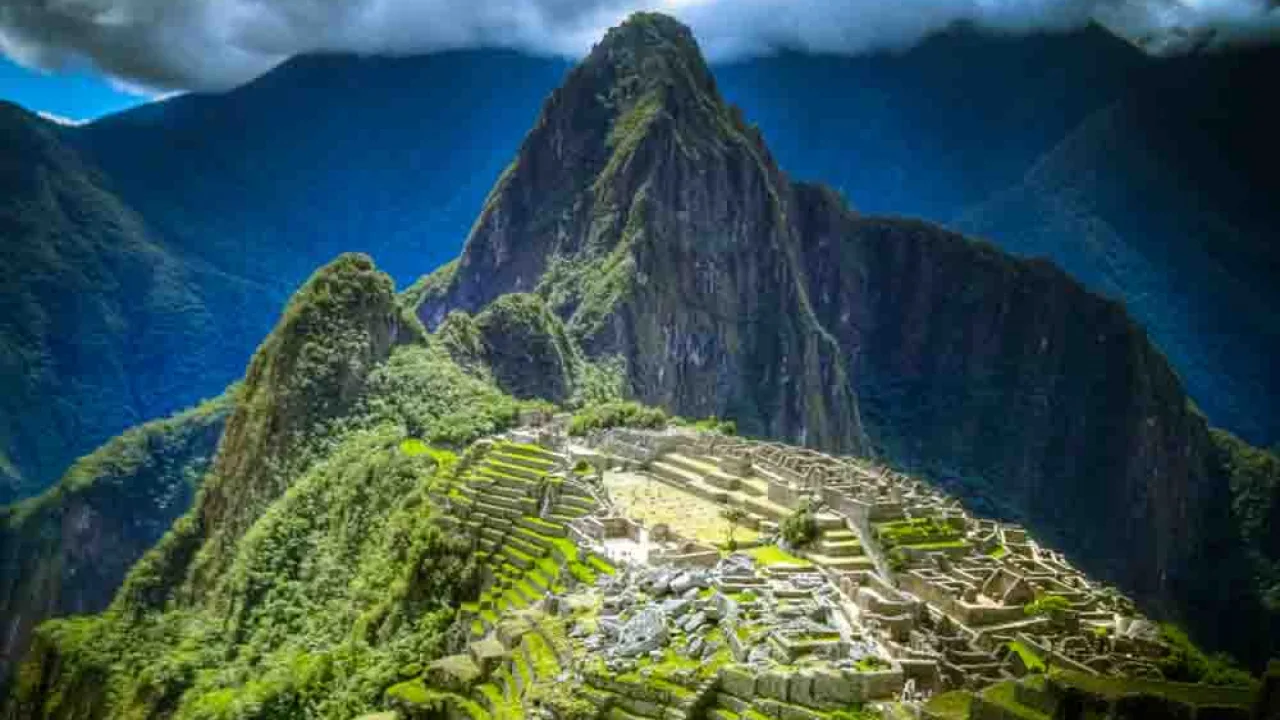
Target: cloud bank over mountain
[[201, 45]]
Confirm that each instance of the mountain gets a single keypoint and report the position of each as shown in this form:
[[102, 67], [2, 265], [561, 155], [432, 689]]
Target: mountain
[[158, 245], [102, 326], [1161, 198], [936, 129], [655, 222], [335, 554], [652, 220], [314, 530], [66, 551], [325, 154], [396, 157]]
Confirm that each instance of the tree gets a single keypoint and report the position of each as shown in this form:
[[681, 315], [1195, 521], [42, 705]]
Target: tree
[[801, 527], [735, 516]]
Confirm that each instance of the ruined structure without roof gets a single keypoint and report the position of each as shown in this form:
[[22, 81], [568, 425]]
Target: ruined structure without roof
[[899, 595]]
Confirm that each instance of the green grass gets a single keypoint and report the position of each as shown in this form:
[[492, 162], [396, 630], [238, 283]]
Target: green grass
[[773, 555], [947, 545], [414, 447], [1002, 694], [1032, 661], [545, 664], [1190, 693], [920, 533], [952, 705], [601, 565], [870, 664]]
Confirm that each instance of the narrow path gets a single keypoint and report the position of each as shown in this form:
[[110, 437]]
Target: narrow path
[[871, 547]]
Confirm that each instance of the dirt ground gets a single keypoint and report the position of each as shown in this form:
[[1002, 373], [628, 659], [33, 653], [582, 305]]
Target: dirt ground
[[651, 501]]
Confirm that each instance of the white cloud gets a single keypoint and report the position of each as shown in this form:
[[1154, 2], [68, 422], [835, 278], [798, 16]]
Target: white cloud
[[60, 119], [214, 44]]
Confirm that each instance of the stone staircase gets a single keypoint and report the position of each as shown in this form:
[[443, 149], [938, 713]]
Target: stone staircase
[[701, 476], [837, 547]]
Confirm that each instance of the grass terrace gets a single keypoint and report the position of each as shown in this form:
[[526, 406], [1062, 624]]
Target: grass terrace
[[1190, 693], [920, 533], [654, 502], [767, 555], [954, 705]]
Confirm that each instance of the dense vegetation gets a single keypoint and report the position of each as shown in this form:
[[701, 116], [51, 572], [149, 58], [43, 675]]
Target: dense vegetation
[[67, 550], [1254, 476], [102, 327], [342, 584], [616, 414], [310, 574], [521, 343]]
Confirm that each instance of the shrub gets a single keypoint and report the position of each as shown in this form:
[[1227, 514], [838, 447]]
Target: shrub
[[1054, 607], [1188, 663], [800, 528], [616, 414], [711, 425]]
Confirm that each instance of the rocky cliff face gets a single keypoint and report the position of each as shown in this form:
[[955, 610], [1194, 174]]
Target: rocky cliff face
[[1033, 396], [654, 221], [66, 551], [1160, 198]]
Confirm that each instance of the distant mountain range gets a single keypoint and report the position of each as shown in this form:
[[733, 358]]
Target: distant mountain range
[[1052, 146]]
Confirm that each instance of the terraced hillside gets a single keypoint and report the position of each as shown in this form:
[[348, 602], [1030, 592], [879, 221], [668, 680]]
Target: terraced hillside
[[516, 510]]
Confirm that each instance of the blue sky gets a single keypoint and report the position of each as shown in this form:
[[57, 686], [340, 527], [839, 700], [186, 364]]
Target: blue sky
[[72, 95]]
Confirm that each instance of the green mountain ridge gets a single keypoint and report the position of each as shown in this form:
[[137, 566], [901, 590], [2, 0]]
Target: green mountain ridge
[[311, 521], [101, 326], [66, 551]]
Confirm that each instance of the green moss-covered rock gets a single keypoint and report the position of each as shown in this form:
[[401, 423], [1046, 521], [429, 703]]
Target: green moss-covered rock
[[526, 348]]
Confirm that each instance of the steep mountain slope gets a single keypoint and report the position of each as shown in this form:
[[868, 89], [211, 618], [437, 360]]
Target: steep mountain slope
[[932, 130], [654, 221], [325, 154], [66, 551], [161, 243], [101, 325], [313, 557], [1161, 199], [243, 201], [649, 215]]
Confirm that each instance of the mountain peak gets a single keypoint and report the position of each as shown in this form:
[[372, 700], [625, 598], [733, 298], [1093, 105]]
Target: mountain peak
[[648, 30], [648, 51]]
